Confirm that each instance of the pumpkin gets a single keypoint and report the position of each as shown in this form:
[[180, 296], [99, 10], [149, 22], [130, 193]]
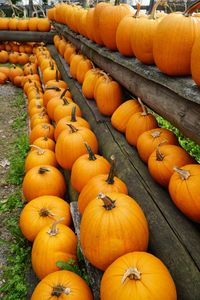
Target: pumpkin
[[74, 64], [39, 157], [89, 82], [82, 23], [23, 58], [3, 56], [102, 236], [135, 275], [56, 83], [87, 166], [53, 243], [96, 22], [13, 57], [50, 73], [61, 285], [3, 78], [43, 211], [42, 129], [110, 17], [12, 24], [174, 38], [51, 92], [150, 139], [15, 71], [18, 81], [184, 190], [69, 51], [73, 119], [43, 180], [43, 25], [61, 46], [22, 25], [89, 23], [41, 117], [65, 109], [5, 70], [83, 67], [195, 61], [108, 96], [139, 123], [54, 102], [4, 23], [32, 24], [162, 161], [45, 143], [105, 183], [70, 145], [122, 114]]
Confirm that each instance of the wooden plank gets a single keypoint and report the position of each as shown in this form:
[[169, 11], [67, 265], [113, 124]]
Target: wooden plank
[[176, 99], [93, 273], [27, 36], [173, 238]]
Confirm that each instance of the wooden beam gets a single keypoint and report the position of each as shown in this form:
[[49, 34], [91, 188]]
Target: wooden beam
[[27, 36], [173, 238], [175, 99]]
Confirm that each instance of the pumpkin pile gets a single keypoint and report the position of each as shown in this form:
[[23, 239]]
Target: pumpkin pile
[[149, 38], [19, 24]]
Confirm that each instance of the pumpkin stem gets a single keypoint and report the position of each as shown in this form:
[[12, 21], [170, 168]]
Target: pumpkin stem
[[132, 274], [109, 204], [156, 134], [90, 152], [46, 126], [56, 88], [45, 212], [65, 102], [57, 79], [73, 114], [184, 174], [153, 12], [64, 92], [159, 155], [144, 108], [137, 14], [43, 170], [40, 151], [73, 129], [59, 289], [53, 230], [117, 2], [110, 179], [191, 8]]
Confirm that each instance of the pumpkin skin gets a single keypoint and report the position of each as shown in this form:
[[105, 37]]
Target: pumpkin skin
[[42, 129], [50, 73], [74, 64], [51, 286], [122, 114], [83, 67], [39, 157], [172, 48], [96, 20], [184, 190], [162, 161], [3, 56], [106, 238], [70, 145], [108, 96], [56, 83], [135, 276], [43, 211], [65, 109], [43, 180], [45, 143], [149, 140], [87, 166], [69, 51], [51, 92], [54, 102], [3, 78], [43, 25], [53, 243], [195, 62], [89, 83], [105, 183]]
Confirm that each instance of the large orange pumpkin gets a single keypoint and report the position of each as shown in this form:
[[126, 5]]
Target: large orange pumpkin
[[137, 275], [184, 189], [61, 285], [52, 244], [43, 180], [102, 235], [43, 211]]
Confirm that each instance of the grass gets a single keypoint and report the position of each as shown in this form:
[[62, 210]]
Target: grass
[[18, 259]]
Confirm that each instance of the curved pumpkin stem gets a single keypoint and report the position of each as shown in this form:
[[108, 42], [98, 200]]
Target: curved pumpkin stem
[[64, 92], [73, 114], [53, 230], [144, 108], [132, 274], [59, 289], [90, 152], [137, 14], [43, 170], [191, 8], [72, 127], [184, 174], [109, 204], [65, 101], [110, 179], [40, 151], [153, 12], [159, 155], [56, 88]]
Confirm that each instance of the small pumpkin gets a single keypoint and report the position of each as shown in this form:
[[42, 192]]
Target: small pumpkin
[[74, 64], [103, 238], [43, 180], [43, 211], [89, 82], [43, 25], [3, 78], [3, 56], [45, 143], [42, 129], [50, 73], [64, 109], [53, 243], [83, 67]]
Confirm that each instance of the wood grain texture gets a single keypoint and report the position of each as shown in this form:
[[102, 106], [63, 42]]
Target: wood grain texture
[[27, 36], [173, 238]]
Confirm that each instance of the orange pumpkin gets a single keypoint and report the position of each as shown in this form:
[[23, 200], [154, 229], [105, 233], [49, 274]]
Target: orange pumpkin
[[32, 24], [43, 25], [43, 211], [61, 285], [22, 25], [89, 82], [15, 71], [195, 61], [102, 233], [4, 23], [3, 56], [12, 24], [135, 275], [50, 73], [74, 64], [65, 109], [45, 143], [51, 92], [52, 244], [89, 23], [13, 57], [83, 67], [42, 129], [69, 51], [23, 58], [3, 78], [43, 180]]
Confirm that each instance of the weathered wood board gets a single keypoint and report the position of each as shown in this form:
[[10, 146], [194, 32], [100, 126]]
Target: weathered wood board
[[27, 36], [176, 99], [173, 238]]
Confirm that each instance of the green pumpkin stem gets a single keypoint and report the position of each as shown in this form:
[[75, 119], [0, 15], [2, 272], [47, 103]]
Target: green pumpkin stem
[[59, 290], [43, 170], [132, 274], [110, 179], [73, 114], [90, 152], [53, 229], [184, 174], [109, 204], [73, 129]]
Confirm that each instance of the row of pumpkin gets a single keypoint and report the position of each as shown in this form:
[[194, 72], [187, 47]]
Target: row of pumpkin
[[171, 41], [169, 164], [112, 225], [23, 24]]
